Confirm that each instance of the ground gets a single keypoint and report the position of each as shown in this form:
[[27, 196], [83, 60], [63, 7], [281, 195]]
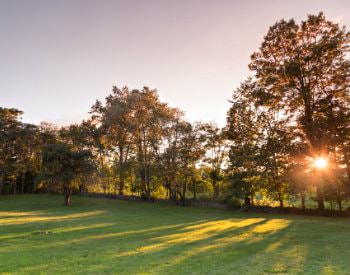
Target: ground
[[39, 235]]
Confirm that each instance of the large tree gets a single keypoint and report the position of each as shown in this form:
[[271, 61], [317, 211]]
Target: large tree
[[304, 71]]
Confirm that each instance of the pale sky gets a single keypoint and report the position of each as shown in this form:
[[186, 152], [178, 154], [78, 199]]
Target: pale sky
[[58, 57]]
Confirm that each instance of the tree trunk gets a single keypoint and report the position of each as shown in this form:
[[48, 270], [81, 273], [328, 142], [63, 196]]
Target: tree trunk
[[216, 190], [103, 186], [167, 187], [1, 183], [194, 190], [252, 199], [143, 183], [310, 133], [115, 187], [172, 195], [110, 185], [340, 204], [281, 204], [347, 163], [15, 187], [67, 195], [23, 181], [246, 200], [303, 201], [148, 191], [121, 171], [121, 184], [184, 189], [320, 198], [148, 184]]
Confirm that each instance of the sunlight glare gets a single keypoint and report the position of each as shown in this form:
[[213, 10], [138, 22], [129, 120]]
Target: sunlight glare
[[320, 163]]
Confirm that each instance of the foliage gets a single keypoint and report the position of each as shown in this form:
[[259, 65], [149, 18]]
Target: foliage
[[63, 168], [293, 109]]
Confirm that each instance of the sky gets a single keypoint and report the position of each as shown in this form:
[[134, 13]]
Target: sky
[[58, 56]]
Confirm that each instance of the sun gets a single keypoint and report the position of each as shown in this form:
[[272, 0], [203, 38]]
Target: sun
[[320, 163]]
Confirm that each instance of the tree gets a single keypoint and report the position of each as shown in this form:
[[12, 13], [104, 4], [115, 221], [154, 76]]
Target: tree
[[215, 143], [151, 118], [115, 126], [133, 124], [304, 71], [10, 126], [28, 153], [299, 180], [182, 149], [190, 151], [275, 155], [63, 166], [244, 130]]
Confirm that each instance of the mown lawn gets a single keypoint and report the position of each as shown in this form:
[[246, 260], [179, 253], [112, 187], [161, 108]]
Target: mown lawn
[[38, 235]]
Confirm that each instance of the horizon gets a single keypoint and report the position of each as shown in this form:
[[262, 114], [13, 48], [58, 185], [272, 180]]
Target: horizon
[[59, 57]]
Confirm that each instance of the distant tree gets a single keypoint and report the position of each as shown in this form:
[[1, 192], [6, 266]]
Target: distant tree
[[300, 180], [150, 120], [168, 159], [197, 181], [275, 153], [10, 127], [190, 152], [215, 144], [182, 149], [28, 154], [115, 126], [63, 166], [245, 130]]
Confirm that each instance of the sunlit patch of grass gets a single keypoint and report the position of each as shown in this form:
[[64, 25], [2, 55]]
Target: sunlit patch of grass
[[30, 217], [273, 246], [39, 235], [64, 230], [15, 214], [328, 270], [279, 268], [206, 230], [271, 226]]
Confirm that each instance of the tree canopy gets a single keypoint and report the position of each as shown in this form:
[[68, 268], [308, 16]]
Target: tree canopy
[[291, 112]]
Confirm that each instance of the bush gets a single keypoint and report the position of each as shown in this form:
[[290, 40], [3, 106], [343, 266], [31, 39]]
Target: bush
[[234, 202]]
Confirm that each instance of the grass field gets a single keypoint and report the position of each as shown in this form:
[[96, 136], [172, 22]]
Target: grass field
[[39, 235]]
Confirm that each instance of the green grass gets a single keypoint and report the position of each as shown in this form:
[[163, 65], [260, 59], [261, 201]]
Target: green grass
[[39, 235]]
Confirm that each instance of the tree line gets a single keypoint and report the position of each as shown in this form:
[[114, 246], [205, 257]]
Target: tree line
[[293, 109]]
